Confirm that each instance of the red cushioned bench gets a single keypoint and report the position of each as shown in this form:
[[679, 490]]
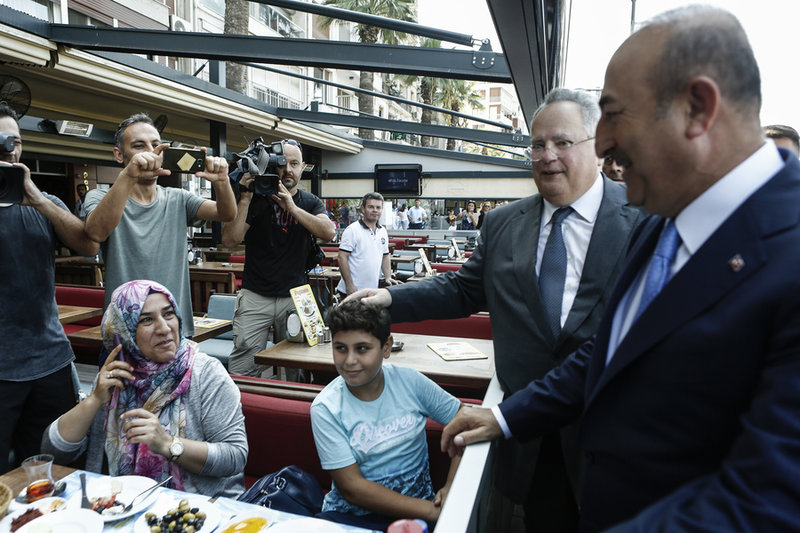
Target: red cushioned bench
[[238, 275], [446, 267], [83, 296], [477, 326], [278, 422]]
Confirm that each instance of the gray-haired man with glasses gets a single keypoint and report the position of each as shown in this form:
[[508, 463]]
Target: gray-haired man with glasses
[[544, 267], [276, 230]]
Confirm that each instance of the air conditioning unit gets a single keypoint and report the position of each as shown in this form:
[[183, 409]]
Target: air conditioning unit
[[178, 24], [71, 127]]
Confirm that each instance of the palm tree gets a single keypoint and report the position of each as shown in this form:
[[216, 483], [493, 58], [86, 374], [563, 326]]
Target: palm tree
[[451, 94], [427, 88], [237, 18], [395, 9]]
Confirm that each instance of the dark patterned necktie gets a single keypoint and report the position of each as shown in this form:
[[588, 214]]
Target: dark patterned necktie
[[553, 271]]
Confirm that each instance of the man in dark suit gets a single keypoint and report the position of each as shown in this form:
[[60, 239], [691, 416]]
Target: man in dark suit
[[532, 336], [688, 395]]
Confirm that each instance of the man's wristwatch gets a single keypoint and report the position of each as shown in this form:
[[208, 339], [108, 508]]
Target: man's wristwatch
[[175, 449]]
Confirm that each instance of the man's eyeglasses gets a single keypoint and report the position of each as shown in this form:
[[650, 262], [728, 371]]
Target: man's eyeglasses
[[558, 147], [290, 141]]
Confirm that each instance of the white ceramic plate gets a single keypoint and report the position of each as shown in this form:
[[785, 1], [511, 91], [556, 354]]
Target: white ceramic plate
[[131, 487], [69, 521], [307, 525], [44, 503], [241, 520], [167, 501]]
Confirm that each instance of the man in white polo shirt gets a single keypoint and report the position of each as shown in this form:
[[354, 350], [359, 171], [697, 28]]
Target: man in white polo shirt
[[364, 250]]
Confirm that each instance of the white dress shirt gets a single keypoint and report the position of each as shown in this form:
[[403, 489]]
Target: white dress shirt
[[577, 229]]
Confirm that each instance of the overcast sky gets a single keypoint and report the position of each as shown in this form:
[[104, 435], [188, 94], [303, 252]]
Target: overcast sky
[[599, 26]]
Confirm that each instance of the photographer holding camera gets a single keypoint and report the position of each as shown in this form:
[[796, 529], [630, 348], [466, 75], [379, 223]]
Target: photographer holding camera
[[277, 230], [142, 225], [35, 355]]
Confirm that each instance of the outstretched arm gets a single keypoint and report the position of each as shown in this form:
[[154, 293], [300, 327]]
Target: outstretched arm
[[68, 228], [224, 208], [233, 232]]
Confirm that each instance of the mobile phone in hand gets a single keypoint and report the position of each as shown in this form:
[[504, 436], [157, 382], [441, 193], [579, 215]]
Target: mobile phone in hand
[[183, 160]]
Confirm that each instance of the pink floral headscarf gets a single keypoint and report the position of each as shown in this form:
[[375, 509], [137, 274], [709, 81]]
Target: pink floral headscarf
[[157, 387]]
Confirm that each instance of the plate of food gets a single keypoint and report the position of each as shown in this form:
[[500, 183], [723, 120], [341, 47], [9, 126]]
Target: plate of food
[[67, 521], [185, 510], [16, 519], [247, 523], [109, 496]]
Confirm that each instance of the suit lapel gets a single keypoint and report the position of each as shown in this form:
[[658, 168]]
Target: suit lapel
[[643, 247], [702, 281], [609, 237], [525, 244]]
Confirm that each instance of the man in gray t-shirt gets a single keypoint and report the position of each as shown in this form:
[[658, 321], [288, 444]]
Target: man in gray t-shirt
[[142, 226]]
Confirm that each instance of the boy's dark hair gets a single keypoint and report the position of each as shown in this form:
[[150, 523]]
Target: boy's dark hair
[[354, 315]]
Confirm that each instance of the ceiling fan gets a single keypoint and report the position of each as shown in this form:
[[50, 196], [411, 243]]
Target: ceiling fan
[[15, 93]]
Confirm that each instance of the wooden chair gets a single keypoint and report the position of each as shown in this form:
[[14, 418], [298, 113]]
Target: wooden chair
[[205, 283], [78, 274]]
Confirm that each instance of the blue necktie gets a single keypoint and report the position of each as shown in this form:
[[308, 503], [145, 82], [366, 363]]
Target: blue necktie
[[553, 270], [663, 257]]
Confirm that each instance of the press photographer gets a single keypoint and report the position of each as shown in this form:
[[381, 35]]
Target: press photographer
[[278, 231], [35, 355]]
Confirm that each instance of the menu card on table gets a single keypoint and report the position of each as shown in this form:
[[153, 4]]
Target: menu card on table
[[456, 351], [307, 310]]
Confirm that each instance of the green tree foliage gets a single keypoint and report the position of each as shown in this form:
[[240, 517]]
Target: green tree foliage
[[395, 9]]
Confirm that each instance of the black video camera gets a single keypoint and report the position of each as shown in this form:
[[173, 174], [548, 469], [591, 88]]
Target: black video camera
[[6, 143], [12, 184], [261, 161], [12, 179]]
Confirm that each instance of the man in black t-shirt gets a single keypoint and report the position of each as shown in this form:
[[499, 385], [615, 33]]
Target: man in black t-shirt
[[276, 231]]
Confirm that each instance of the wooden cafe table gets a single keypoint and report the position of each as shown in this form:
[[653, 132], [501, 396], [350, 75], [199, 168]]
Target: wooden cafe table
[[68, 314], [218, 266], [93, 336], [18, 480], [415, 353]]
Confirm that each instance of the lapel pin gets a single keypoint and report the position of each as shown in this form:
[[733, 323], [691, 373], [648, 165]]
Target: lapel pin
[[736, 263]]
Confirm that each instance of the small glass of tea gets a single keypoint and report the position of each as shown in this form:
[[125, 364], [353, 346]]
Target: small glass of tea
[[40, 479]]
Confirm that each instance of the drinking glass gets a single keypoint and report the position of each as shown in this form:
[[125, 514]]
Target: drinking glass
[[40, 479]]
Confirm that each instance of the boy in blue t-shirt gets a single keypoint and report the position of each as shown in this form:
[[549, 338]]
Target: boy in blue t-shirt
[[369, 426]]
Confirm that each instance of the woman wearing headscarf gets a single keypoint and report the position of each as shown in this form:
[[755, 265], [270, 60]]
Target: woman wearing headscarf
[[159, 407]]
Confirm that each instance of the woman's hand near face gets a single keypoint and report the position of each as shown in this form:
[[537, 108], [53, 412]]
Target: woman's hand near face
[[75, 423], [113, 374]]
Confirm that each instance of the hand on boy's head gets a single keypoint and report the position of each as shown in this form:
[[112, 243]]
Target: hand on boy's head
[[379, 297]]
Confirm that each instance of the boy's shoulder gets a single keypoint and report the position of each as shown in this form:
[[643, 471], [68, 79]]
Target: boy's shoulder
[[330, 395]]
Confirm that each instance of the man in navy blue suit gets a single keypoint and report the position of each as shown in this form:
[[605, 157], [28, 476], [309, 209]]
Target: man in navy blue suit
[[689, 395]]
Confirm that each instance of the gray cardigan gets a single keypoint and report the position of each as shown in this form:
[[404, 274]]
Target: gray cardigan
[[213, 415]]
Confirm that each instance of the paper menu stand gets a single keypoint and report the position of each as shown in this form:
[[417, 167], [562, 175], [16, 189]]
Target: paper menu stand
[[425, 263], [456, 351], [459, 255], [307, 310]]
